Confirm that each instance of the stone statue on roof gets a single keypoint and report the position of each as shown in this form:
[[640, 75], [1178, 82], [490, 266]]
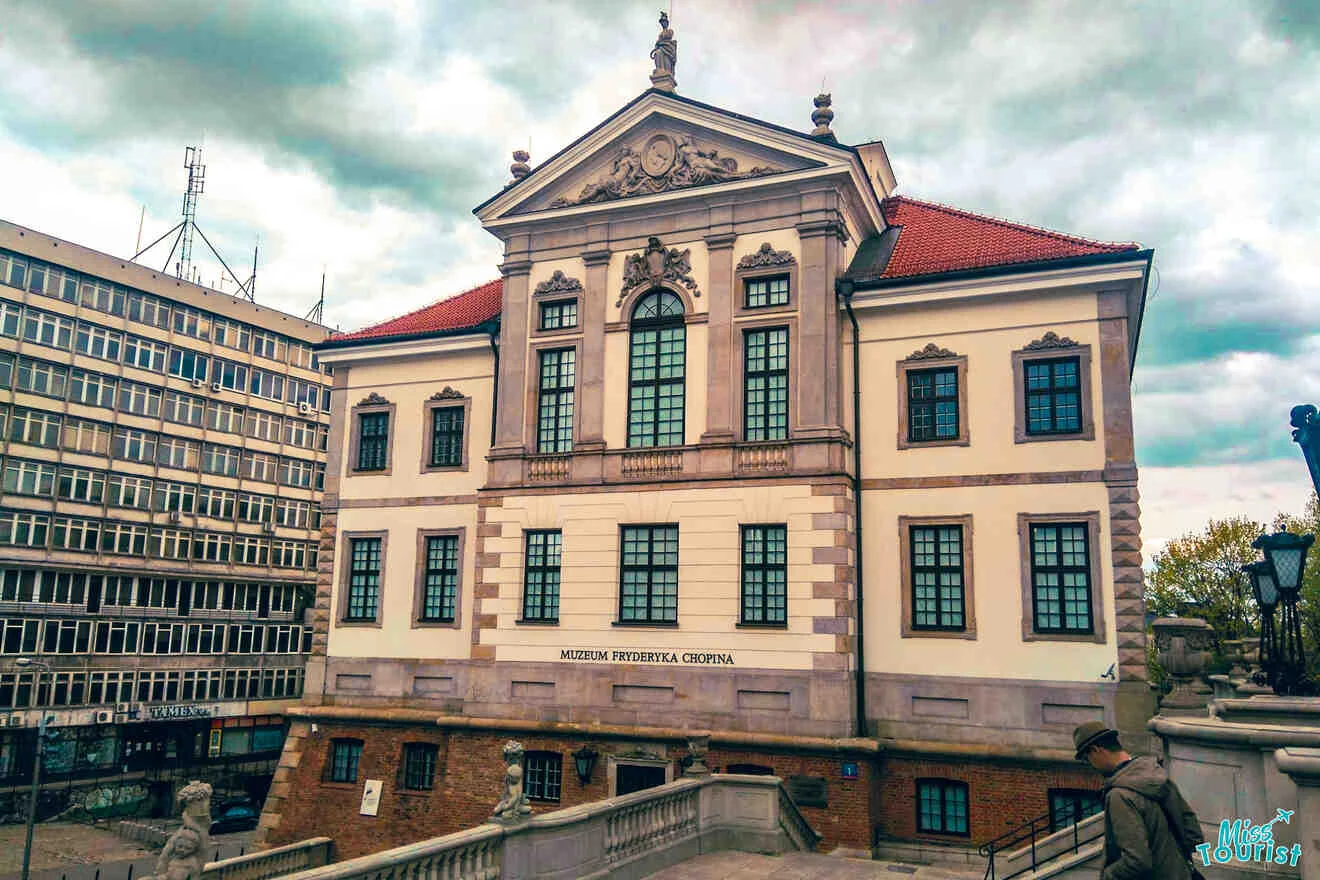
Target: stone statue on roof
[[665, 55]]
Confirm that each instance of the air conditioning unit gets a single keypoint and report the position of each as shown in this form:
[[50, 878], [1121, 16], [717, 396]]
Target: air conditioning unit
[[104, 716], [304, 407], [122, 708], [215, 387], [4, 720], [174, 516], [198, 383]]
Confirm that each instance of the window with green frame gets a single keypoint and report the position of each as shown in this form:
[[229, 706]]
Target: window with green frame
[[1069, 805], [937, 577], [942, 807], [1061, 578], [656, 371], [554, 421], [765, 384], [765, 575], [648, 588]]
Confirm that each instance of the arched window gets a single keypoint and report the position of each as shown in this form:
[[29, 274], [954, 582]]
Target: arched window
[[656, 364]]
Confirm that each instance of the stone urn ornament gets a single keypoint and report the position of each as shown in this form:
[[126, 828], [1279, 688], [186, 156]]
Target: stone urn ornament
[[513, 805], [183, 855], [698, 748], [1184, 646]]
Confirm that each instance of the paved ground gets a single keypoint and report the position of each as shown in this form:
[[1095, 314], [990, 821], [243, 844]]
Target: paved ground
[[801, 866], [78, 852]]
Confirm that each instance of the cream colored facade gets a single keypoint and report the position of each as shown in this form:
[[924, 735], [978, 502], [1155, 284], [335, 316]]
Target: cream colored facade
[[995, 682]]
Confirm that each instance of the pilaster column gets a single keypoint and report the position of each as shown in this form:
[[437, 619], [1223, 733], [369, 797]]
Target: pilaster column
[[591, 369], [818, 413], [505, 456], [720, 422]]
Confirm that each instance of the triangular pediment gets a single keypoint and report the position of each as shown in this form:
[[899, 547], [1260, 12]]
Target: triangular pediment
[[659, 146]]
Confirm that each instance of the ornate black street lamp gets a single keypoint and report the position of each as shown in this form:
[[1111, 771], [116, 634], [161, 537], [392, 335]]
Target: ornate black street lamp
[[584, 761], [1285, 554], [1266, 593], [1307, 436]]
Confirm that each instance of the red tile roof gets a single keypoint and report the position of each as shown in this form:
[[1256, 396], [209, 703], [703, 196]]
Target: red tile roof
[[467, 310], [934, 239], [937, 238]]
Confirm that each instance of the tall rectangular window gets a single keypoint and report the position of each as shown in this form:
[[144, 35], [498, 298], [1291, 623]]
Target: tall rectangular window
[[544, 775], [942, 807], [937, 577], [419, 760], [1061, 578], [447, 436], [1053, 390], [554, 421], [648, 590], [345, 754], [765, 384], [363, 579], [541, 575], [440, 579], [373, 440], [765, 574], [657, 371], [932, 405], [763, 292]]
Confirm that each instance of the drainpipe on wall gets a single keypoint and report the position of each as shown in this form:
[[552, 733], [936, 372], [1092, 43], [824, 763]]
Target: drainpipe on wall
[[843, 288], [494, 331]]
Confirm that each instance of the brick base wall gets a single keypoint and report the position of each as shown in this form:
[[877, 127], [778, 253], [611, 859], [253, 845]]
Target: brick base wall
[[1001, 796]]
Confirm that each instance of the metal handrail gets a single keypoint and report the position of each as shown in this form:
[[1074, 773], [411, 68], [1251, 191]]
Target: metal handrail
[[1028, 831]]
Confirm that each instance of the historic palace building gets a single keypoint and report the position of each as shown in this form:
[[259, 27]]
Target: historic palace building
[[163, 460], [740, 442]]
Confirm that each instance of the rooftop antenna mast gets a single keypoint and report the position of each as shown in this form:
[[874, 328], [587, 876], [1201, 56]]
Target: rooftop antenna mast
[[317, 314], [184, 229]]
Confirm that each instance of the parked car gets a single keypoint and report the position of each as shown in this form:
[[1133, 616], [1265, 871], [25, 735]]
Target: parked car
[[236, 817]]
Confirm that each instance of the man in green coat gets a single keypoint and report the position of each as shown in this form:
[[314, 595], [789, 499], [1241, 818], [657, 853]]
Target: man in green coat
[[1150, 832]]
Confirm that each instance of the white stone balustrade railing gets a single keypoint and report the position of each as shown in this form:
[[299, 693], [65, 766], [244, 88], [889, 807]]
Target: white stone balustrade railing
[[269, 863], [622, 838]]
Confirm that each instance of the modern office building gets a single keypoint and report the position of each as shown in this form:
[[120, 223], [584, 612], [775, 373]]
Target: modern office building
[[742, 442], [163, 460]]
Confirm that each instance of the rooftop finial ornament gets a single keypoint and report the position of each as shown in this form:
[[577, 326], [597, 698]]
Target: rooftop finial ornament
[[665, 55], [520, 169], [822, 116]]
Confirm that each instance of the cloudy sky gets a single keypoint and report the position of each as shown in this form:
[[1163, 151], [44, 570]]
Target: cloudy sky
[[356, 137]]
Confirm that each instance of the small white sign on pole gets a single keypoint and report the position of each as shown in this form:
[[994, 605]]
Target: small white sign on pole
[[371, 797]]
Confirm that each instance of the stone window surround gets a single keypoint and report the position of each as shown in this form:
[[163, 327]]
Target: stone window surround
[[346, 574], [368, 407], [1092, 521], [532, 402], [432, 404], [742, 276], [613, 762], [913, 364], [419, 591], [1021, 356], [760, 321], [943, 783], [907, 602]]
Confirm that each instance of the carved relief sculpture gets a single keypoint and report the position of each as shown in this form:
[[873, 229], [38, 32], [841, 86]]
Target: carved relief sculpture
[[1050, 340], [373, 399], [930, 352], [766, 256], [513, 804], [559, 283], [447, 394], [663, 164], [183, 855], [656, 264]]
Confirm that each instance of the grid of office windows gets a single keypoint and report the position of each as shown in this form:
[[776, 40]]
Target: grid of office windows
[[440, 579], [765, 574], [541, 577], [1053, 390], [54, 636], [765, 384], [937, 577], [99, 687], [1061, 578], [649, 577], [942, 807], [176, 596]]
